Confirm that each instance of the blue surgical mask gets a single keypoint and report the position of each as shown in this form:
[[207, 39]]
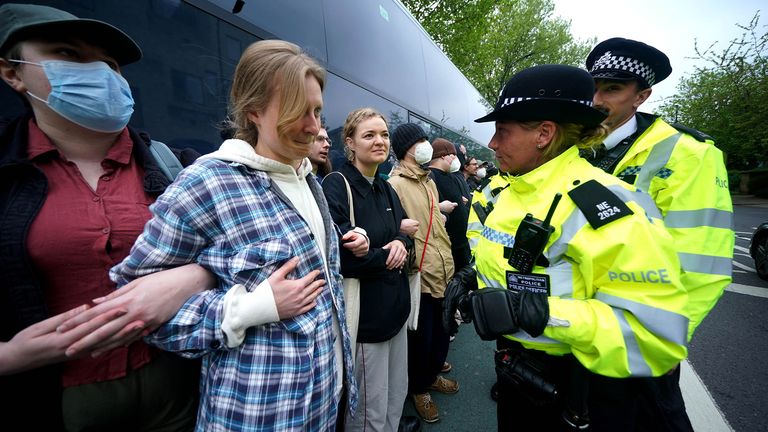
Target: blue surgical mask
[[89, 94]]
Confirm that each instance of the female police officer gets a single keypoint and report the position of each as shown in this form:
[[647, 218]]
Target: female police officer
[[584, 302]]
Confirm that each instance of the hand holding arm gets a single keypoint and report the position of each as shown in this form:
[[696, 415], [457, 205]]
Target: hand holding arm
[[447, 206], [397, 254], [275, 299], [147, 303], [356, 241], [409, 227], [40, 344]]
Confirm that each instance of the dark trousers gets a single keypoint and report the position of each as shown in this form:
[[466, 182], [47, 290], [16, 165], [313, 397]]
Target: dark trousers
[[611, 402], [662, 406], [427, 346], [160, 396], [461, 255]]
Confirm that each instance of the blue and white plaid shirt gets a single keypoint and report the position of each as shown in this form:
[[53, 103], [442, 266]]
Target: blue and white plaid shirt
[[232, 220]]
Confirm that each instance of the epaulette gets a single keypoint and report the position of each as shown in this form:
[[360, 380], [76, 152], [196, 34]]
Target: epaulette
[[598, 204], [483, 183], [697, 134]]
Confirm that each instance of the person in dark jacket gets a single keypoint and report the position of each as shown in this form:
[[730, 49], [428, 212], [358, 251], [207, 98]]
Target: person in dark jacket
[[466, 192], [453, 204], [382, 346], [75, 184]]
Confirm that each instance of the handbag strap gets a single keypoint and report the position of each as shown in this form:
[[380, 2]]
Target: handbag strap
[[429, 228], [349, 199]]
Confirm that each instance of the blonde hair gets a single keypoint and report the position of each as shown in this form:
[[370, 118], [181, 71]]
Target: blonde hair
[[350, 126], [265, 69], [567, 135]]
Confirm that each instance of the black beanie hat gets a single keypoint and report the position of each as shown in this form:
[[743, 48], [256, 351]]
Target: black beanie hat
[[405, 136]]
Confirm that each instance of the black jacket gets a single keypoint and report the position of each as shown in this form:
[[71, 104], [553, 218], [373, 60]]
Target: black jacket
[[384, 294], [449, 188], [23, 188]]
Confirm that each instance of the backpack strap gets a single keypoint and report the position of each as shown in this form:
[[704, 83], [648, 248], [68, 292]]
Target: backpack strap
[[167, 161]]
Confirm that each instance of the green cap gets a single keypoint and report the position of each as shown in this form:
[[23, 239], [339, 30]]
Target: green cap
[[20, 22]]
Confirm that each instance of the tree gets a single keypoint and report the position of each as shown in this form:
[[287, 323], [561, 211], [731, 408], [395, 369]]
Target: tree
[[726, 98], [489, 41]]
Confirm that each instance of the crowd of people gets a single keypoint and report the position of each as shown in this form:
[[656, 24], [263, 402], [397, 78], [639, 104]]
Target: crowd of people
[[263, 289]]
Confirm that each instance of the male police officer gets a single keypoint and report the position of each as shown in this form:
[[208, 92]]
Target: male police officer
[[685, 175]]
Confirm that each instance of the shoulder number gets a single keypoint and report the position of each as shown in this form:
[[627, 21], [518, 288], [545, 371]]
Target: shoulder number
[[599, 205]]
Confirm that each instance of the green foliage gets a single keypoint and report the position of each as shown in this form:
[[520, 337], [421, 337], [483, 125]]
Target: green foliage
[[727, 97], [489, 41]]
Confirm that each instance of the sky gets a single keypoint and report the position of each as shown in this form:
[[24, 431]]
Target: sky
[[672, 26]]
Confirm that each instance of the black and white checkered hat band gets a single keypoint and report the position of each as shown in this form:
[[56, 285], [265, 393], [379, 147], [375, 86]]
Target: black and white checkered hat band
[[611, 62], [511, 100]]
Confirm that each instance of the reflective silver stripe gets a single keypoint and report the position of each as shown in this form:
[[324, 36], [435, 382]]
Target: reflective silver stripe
[[523, 336], [641, 198], [668, 325], [474, 226], [572, 225], [473, 242], [489, 283], [658, 158], [710, 217], [561, 279], [705, 264], [499, 237], [487, 194], [637, 364]]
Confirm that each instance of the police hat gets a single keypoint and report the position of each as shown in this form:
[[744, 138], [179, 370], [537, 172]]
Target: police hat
[[626, 59], [559, 93], [19, 22]]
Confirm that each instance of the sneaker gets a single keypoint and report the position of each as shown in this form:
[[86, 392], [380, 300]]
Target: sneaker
[[425, 407], [446, 367], [444, 385]]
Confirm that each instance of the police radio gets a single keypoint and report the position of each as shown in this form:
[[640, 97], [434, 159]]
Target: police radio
[[531, 238]]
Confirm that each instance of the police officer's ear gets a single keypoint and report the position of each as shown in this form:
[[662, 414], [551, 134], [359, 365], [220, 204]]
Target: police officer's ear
[[545, 134]]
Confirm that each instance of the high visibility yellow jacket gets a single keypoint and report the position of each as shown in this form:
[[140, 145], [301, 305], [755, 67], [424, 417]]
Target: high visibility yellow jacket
[[689, 183], [616, 301]]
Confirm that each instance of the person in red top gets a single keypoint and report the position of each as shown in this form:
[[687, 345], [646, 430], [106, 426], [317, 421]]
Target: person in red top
[[75, 186]]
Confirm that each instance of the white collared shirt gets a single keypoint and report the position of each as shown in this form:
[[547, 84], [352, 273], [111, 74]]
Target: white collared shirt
[[623, 131]]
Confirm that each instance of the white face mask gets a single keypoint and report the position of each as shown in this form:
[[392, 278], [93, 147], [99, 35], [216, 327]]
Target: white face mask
[[423, 152], [480, 173], [455, 165]]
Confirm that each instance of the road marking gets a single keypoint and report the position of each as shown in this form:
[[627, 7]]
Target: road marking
[[742, 232], [701, 407], [741, 249], [740, 271], [748, 290], [742, 254], [744, 267]]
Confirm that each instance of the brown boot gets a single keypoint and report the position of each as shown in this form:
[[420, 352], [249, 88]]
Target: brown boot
[[444, 385], [426, 407]]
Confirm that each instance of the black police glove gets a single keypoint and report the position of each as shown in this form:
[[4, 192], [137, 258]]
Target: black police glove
[[463, 281], [499, 311]]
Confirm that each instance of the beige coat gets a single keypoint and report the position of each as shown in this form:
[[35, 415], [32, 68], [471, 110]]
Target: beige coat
[[415, 187]]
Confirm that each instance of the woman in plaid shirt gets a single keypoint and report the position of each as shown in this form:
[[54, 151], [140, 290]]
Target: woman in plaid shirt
[[272, 335]]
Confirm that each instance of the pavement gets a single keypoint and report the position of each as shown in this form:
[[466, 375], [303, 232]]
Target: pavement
[[749, 200]]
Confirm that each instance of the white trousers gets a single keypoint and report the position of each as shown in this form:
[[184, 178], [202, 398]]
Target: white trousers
[[381, 370]]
